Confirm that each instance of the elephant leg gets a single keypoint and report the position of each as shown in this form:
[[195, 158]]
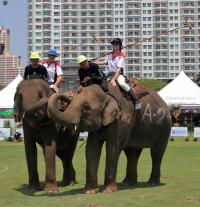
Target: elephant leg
[[31, 158], [49, 155], [131, 170], [93, 153], [69, 175], [157, 152], [112, 156]]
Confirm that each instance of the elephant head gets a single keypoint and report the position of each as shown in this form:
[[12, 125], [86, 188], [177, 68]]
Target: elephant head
[[88, 111], [31, 97]]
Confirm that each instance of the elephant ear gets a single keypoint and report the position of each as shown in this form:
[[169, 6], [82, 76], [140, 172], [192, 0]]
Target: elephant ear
[[18, 111], [111, 111]]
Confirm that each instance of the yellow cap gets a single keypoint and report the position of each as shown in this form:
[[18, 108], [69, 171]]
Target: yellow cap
[[81, 58], [34, 55]]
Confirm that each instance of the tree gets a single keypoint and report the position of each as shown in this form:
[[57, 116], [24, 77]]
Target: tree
[[6, 124], [154, 84], [1, 87]]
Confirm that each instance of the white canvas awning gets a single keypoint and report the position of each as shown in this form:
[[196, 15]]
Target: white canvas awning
[[181, 92], [7, 94]]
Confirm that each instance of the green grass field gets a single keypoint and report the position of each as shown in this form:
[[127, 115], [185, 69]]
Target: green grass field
[[180, 180]]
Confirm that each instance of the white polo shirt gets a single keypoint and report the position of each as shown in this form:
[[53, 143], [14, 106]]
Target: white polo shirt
[[51, 69], [115, 62]]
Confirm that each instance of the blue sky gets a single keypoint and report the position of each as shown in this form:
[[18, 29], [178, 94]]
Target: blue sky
[[14, 17]]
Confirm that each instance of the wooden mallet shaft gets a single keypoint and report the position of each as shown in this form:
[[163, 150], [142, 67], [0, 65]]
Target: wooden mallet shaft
[[79, 45]]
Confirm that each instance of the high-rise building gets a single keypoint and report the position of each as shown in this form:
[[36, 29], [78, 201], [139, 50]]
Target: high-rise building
[[63, 24], [10, 66]]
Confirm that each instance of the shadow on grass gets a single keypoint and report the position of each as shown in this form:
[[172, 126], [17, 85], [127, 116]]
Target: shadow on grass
[[22, 189]]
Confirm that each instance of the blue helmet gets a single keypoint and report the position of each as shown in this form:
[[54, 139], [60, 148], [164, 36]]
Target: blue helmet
[[52, 52], [116, 40]]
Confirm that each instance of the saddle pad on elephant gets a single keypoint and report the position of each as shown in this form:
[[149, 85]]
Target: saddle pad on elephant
[[139, 90]]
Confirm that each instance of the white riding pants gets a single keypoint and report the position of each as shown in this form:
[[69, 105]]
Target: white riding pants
[[122, 83]]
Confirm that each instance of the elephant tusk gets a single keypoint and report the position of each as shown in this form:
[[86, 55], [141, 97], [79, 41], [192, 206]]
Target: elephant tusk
[[35, 114], [48, 114], [75, 127], [23, 114], [64, 128]]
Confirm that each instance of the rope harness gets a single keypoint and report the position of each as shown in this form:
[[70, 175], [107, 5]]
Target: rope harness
[[37, 126]]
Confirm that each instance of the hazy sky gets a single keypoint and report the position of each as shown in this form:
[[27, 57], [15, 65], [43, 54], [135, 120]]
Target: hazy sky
[[14, 17]]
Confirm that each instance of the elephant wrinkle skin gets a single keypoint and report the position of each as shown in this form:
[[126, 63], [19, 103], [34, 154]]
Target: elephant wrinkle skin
[[30, 106], [121, 126]]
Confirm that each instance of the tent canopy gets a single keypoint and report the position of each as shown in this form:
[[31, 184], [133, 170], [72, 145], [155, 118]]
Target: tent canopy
[[181, 92], [7, 94], [8, 112]]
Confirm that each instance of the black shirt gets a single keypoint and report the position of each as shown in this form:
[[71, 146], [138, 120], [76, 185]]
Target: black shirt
[[40, 72], [94, 72]]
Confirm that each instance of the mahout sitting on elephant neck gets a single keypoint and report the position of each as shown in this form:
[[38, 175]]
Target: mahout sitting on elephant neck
[[129, 130], [30, 106]]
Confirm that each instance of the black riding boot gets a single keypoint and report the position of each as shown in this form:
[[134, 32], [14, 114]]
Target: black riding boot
[[135, 99]]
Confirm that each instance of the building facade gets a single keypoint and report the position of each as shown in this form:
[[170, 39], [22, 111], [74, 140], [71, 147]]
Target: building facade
[[10, 66], [63, 24]]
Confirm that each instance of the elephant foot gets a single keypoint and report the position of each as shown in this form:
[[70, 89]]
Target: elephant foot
[[67, 182], [109, 189], [51, 189], [33, 187], [128, 182], [89, 190], [152, 183]]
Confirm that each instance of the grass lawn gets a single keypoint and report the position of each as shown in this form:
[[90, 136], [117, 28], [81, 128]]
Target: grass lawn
[[180, 180]]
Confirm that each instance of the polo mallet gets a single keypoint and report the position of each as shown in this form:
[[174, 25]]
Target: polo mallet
[[79, 45], [187, 24]]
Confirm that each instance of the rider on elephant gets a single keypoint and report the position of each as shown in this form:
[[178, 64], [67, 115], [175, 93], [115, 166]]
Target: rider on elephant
[[115, 61], [90, 73], [35, 70], [54, 70]]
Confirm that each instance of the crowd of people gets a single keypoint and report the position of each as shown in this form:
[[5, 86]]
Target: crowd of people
[[89, 72]]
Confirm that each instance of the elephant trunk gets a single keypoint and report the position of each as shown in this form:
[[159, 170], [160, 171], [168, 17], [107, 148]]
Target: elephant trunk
[[58, 116], [32, 110]]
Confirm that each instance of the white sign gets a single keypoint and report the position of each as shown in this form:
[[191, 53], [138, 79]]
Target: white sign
[[196, 131], [83, 134], [179, 132], [4, 132]]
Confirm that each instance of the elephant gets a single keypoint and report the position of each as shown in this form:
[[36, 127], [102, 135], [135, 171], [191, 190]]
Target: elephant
[[30, 106], [116, 121]]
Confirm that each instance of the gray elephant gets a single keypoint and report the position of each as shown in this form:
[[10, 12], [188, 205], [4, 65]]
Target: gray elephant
[[30, 105], [121, 126]]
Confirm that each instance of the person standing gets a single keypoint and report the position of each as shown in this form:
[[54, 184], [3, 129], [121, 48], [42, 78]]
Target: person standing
[[35, 70], [115, 61], [54, 70], [90, 73]]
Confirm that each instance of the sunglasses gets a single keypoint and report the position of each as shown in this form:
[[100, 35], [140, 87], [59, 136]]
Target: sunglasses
[[115, 44]]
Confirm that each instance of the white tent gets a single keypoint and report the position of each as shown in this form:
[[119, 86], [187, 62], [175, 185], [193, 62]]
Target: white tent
[[181, 92], [7, 94]]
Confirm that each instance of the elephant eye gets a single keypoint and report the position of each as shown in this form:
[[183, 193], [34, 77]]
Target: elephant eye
[[86, 107], [40, 95]]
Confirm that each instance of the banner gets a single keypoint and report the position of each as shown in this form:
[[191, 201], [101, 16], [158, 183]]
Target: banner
[[179, 132], [4, 132], [196, 131]]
